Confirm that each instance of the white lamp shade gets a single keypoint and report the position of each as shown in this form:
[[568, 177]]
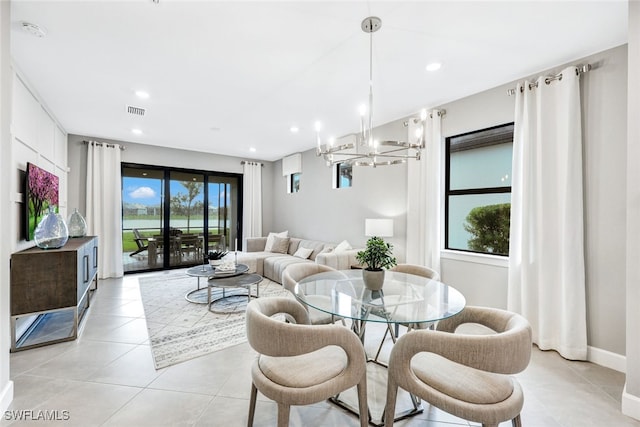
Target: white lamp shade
[[378, 227]]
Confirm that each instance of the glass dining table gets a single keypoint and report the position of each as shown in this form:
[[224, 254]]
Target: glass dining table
[[404, 299]]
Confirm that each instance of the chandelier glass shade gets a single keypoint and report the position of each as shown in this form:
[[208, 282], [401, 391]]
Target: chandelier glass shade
[[363, 149]]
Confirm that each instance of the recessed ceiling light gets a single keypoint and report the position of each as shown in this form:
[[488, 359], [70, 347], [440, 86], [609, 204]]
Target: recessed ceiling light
[[434, 66], [252, 149], [136, 131], [294, 129], [142, 94], [33, 29]]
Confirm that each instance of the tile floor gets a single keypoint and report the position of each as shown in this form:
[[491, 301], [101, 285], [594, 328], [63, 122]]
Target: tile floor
[[107, 378]]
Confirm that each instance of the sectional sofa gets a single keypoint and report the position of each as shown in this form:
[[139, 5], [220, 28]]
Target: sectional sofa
[[272, 263]]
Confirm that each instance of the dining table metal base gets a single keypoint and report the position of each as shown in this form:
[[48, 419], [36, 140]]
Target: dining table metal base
[[415, 410]]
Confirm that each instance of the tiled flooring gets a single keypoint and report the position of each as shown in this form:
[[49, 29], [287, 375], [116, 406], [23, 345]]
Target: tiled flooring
[[107, 377]]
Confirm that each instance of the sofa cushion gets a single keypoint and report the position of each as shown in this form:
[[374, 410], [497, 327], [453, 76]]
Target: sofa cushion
[[280, 245], [254, 260], [303, 253], [271, 237], [342, 247], [294, 243], [312, 244], [274, 266]]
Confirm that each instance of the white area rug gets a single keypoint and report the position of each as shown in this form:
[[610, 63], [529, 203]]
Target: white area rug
[[180, 330]]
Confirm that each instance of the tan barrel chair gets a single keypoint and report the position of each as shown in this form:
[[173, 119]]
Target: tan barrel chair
[[417, 270], [301, 364], [296, 272], [464, 374]]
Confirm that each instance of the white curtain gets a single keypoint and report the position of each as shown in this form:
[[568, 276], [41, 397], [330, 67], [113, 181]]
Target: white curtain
[[424, 201], [252, 200], [104, 206], [546, 255]]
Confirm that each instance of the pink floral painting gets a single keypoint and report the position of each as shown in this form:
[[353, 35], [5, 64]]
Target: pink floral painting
[[42, 192]]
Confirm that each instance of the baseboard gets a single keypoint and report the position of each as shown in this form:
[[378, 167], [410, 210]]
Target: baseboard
[[6, 397], [607, 359], [630, 404]]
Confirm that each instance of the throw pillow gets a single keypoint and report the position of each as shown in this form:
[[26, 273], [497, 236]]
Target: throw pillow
[[303, 253], [342, 247], [326, 250], [269, 245], [280, 245]]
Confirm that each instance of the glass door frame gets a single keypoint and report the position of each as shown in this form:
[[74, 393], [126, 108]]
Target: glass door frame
[[209, 176]]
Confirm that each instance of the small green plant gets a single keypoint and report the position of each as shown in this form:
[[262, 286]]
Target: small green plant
[[376, 255], [489, 228], [216, 255]]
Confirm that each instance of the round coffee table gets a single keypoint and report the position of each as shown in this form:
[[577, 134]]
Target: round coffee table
[[207, 272], [242, 281]]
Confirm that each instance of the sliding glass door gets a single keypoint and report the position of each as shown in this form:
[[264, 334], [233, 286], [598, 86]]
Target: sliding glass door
[[174, 217], [186, 218], [223, 210]]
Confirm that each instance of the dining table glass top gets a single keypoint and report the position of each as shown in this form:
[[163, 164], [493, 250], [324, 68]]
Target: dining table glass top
[[404, 298]]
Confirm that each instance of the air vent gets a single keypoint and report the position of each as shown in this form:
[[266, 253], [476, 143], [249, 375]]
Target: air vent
[[138, 111]]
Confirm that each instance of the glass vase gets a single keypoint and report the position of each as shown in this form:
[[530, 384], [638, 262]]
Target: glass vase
[[76, 224], [51, 232]]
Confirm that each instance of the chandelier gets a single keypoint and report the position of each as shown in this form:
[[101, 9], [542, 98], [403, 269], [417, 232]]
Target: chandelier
[[362, 149]]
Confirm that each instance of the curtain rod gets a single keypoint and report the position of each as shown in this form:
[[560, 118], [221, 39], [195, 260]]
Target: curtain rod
[[580, 69], [103, 143], [439, 113], [251, 163]]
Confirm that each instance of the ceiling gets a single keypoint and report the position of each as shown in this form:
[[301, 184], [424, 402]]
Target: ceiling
[[227, 77]]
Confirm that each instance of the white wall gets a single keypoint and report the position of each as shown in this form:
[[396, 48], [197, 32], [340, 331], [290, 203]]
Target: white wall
[[36, 138], [6, 385], [28, 134], [631, 393]]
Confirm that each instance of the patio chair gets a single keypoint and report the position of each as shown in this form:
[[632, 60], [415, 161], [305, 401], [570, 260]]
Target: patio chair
[[142, 242]]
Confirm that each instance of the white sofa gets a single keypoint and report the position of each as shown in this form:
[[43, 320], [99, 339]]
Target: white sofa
[[271, 265]]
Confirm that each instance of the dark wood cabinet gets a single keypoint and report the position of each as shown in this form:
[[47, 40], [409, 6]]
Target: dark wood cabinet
[[47, 283]]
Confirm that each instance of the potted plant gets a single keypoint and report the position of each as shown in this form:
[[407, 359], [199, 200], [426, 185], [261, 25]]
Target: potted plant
[[215, 257], [376, 256]]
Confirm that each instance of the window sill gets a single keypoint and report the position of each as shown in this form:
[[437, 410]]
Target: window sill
[[498, 261]]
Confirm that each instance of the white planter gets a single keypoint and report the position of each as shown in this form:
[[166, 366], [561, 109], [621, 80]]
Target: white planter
[[373, 279]]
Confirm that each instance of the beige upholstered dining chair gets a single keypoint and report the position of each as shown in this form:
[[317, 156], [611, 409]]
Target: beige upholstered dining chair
[[464, 374], [298, 363], [417, 270], [296, 272]]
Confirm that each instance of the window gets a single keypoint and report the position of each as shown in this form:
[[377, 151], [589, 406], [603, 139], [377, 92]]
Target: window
[[343, 175], [160, 204], [293, 183], [478, 190]]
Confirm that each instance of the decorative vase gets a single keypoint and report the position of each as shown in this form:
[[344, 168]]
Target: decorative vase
[[76, 224], [373, 279], [215, 262], [51, 232]]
